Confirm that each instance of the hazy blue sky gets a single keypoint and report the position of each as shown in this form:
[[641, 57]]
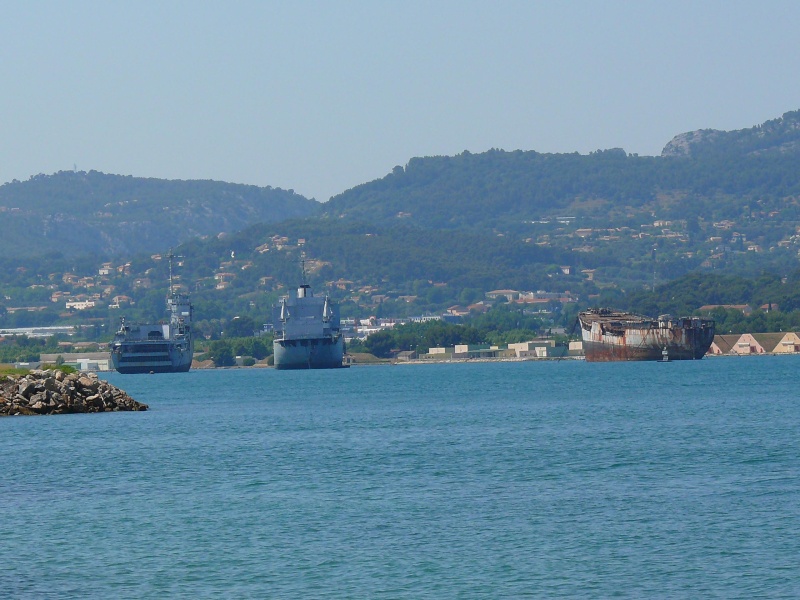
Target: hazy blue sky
[[322, 96]]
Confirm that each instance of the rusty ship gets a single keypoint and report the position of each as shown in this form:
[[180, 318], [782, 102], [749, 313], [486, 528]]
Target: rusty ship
[[610, 335]]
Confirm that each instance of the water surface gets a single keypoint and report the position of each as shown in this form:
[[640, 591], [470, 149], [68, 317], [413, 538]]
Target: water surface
[[484, 480]]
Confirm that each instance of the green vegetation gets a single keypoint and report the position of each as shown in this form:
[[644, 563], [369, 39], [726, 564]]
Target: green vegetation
[[780, 297], [502, 325], [66, 369], [686, 294], [21, 348], [4, 370], [717, 226], [76, 213], [224, 352], [506, 191]]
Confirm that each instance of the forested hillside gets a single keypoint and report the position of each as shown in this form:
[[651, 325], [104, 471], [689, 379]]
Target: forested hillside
[[351, 260], [729, 202], [508, 190], [717, 224], [113, 215]]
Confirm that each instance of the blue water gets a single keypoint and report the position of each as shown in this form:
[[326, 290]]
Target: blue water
[[505, 480]]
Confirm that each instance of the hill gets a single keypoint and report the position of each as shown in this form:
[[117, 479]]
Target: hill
[[114, 215], [721, 175], [778, 136], [405, 269], [605, 228]]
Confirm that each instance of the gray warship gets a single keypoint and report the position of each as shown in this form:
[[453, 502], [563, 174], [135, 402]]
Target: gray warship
[[307, 331], [160, 347]]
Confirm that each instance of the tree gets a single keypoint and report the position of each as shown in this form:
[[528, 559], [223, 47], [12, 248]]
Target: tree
[[380, 344], [222, 354], [240, 326]]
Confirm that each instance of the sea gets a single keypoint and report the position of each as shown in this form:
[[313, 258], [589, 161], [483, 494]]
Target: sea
[[536, 479]]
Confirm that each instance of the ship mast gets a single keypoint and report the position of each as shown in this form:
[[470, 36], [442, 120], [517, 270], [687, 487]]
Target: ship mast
[[303, 290], [171, 256]]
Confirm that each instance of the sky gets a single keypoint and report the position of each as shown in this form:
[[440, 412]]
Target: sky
[[319, 97]]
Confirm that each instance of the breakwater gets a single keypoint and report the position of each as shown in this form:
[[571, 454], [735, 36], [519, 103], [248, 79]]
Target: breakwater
[[54, 392]]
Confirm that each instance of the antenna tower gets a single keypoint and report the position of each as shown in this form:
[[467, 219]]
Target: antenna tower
[[170, 257]]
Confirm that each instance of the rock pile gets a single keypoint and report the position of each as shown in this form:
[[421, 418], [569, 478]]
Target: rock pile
[[53, 393]]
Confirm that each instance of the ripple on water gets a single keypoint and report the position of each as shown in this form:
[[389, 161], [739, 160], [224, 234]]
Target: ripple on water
[[465, 480]]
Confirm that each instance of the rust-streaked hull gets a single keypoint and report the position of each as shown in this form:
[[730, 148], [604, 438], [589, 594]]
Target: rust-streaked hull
[[618, 336]]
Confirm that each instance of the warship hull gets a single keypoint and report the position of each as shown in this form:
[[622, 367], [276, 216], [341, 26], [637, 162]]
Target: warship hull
[[314, 353], [157, 348], [307, 331], [148, 357], [610, 336]]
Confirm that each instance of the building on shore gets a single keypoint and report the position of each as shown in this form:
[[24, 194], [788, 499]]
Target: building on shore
[[542, 348], [83, 361], [745, 344]]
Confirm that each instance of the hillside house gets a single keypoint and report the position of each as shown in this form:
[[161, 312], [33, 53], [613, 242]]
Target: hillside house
[[80, 304], [509, 295], [458, 311], [745, 308], [479, 307], [541, 297], [341, 284], [120, 300]]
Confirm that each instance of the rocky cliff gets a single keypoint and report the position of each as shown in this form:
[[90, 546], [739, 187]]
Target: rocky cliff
[[780, 135]]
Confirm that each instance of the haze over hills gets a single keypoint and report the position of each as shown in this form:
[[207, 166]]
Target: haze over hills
[[721, 173], [440, 231], [115, 215], [704, 175]]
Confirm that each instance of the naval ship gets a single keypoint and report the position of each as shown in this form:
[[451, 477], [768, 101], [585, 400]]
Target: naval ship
[[161, 347], [610, 335], [307, 334]]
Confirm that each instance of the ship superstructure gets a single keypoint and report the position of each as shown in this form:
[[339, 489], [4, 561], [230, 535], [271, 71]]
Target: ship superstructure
[[307, 331], [610, 335], [159, 347]]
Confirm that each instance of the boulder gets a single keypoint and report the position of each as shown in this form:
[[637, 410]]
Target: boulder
[[26, 387], [53, 392], [89, 383]]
